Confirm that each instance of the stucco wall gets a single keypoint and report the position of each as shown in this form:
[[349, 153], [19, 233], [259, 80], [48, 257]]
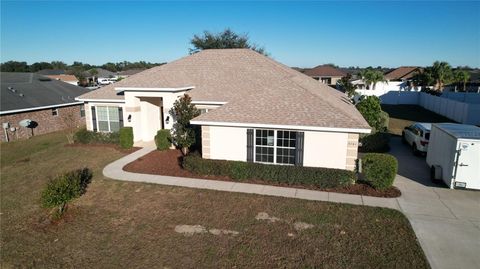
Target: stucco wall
[[68, 117], [325, 149], [227, 143]]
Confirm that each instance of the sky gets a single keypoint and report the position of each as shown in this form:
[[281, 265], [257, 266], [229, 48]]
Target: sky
[[301, 33]]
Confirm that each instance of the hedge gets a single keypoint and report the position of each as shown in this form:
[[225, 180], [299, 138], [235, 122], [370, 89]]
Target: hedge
[[83, 136], [163, 139], [287, 174], [379, 169], [126, 137], [377, 142]]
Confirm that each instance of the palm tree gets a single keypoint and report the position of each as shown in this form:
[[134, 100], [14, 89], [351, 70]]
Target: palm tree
[[461, 76], [423, 78], [347, 86], [442, 73], [372, 77]]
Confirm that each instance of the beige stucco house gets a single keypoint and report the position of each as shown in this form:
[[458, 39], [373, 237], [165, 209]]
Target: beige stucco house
[[253, 109]]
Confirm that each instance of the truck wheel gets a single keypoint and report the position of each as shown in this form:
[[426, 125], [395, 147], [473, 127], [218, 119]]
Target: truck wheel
[[414, 149]]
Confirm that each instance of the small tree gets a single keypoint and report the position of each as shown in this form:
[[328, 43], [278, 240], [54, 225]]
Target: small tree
[[223, 40], [70, 125], [64, 188], [183, 133], [462, 77], [371, 110], [347, 86], [442, 74], [372, 77]]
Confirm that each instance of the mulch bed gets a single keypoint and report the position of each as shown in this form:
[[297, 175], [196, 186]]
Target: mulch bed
[[113, 146], [168, 163]]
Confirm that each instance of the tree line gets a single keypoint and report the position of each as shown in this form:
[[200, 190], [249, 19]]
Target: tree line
[[16, 66]]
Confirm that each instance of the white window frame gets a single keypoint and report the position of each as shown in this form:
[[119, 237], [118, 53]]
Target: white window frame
[[275, 146], [108, 117]]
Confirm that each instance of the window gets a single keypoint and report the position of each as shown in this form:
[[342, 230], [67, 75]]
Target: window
[[286, 141], [264, 146], [82, 111], [275, 146], [54, 111], [203, 111], [108, 119], [327, 80]]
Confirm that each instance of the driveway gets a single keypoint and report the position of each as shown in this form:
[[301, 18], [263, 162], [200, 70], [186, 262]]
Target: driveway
[[447, 222]]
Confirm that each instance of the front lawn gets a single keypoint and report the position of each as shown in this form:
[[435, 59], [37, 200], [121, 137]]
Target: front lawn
[[121, 224], [402, 116]]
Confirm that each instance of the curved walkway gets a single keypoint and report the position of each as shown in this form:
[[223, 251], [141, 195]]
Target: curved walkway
[[115, 171]]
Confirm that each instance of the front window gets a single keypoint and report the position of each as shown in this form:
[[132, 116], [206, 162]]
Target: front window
[[108, 119], [276, 147]]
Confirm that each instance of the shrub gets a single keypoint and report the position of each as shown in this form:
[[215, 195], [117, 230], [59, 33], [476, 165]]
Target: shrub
[[384, 120], [370, 109], [286, 174], [377, 142], [126, 137], [379, 169], [83, 136], [163, 139], [64, 188]]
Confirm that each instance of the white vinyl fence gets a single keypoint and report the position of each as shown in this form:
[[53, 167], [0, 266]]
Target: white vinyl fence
[[448, 106]]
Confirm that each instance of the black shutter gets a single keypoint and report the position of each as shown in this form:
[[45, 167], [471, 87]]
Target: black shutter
[[250, 145], [94, 119], [299, 149], [120, 116]]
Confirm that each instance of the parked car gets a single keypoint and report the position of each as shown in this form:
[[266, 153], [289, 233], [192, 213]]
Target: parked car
[[417, 136]]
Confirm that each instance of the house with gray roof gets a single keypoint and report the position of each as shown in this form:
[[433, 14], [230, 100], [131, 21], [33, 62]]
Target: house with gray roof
[[254, 109], [48, 103]]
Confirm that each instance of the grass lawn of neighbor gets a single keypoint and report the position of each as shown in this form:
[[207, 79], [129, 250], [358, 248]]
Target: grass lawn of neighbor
[[137, 225], [402, 116]]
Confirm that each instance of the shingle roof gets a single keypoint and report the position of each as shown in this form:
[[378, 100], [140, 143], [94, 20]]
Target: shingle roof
[[51, 72], [30, 90], [63, 77], [257, 89], [325, 70], [404, 72], [130, 72]]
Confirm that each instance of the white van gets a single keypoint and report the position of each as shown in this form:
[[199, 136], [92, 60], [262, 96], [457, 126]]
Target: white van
[[454, 155]]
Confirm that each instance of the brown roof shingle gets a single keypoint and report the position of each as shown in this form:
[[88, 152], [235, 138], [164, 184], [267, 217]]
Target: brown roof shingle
[[325, 70], [404, 72], [257, 89]]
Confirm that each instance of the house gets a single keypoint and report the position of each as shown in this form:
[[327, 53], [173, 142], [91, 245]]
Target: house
[[399, 79], [50, 105], [129, 72], [254, 109], [51, 72], [70, 79], [326, 74], [102, 76]]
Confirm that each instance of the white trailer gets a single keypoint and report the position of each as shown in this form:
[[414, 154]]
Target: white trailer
[[454, 155]]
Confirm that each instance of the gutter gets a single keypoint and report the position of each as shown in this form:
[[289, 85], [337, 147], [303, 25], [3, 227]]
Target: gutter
[[38, 108]]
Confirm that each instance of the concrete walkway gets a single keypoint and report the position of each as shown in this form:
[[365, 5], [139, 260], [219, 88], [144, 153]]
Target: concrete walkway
[[446, 222], [115, 171]]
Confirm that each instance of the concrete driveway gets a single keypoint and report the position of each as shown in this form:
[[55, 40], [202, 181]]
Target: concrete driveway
[[447, 222]]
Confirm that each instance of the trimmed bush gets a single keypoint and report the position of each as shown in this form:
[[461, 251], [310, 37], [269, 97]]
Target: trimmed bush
[[83, 136], [64, 188], [291, 175], [126, 137], [163, 139], [377, 142], [379, 170]]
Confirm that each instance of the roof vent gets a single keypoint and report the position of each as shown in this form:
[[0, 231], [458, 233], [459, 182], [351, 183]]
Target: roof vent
[[21, 94], [44, 79]]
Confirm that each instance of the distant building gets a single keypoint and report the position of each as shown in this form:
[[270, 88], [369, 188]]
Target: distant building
[[399, 79], [70, 79], [50, 105], [326, 74]]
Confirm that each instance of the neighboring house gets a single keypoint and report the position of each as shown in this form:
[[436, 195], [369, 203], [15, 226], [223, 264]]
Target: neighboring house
[[70, 79], [49, 104], [399, 79], [130, 72], [327, 74], [254, 109], [103, 77]]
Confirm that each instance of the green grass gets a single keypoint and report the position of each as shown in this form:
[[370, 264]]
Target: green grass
[[402, 116], [122, 224]]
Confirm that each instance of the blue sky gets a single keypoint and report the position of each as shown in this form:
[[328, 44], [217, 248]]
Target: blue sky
[[295, 33]]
